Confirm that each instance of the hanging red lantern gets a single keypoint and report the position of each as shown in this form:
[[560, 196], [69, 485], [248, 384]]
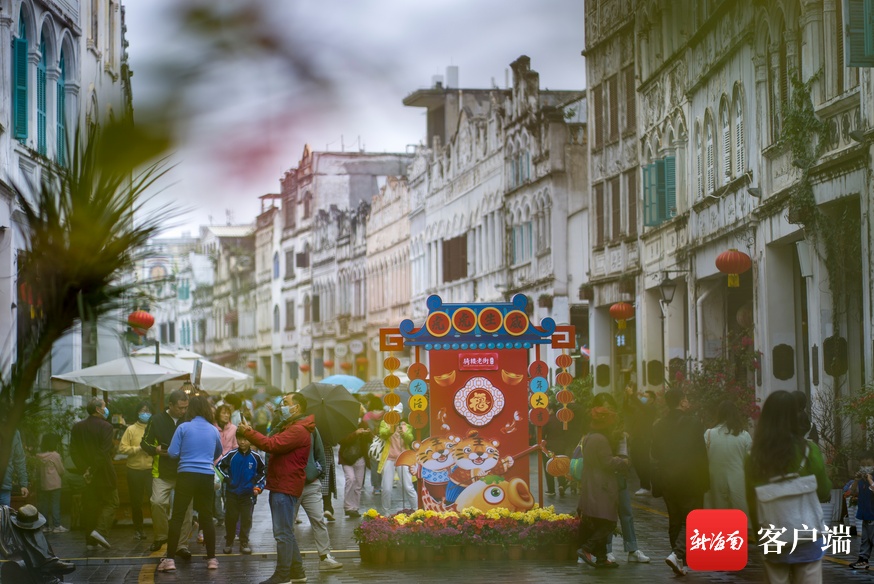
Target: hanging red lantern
[[140, 321], [361, 360], [252, 364], [328, 364], [345, 365], [734, 263], [304, 367], [621, 312]]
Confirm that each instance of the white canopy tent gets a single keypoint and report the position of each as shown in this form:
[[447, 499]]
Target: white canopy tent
[[123, 375], [214, 378]]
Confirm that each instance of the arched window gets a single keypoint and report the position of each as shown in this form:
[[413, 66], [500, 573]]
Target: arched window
[[739, 158], [726, 139], [276, 318], [708, 154], [276, 265], [41, 98], [19, 77], [62, 112]]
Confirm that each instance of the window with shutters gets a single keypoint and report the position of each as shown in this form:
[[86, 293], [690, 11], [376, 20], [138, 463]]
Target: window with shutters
[[276, 318], [699, 168], [598, 118], [303, 258], [615, 208], [289, 265], [41, 99], [708, 155], [307, 309], [726, 140], [316, 308], [599, 213], [19, 81], [631, 197], [276, 265], [62, 112], [613, 109], [860, 33], [307, 205], [290, 204], [289, 315], [839, 49], [739, 140], [659, 191], [455, 258]]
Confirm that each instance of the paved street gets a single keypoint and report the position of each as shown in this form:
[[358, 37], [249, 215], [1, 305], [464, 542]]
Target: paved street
[[130, 561]]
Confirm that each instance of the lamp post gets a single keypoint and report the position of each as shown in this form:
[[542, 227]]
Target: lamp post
[[667, 288]]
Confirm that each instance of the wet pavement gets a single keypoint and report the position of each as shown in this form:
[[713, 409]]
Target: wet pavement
[[130, 561]]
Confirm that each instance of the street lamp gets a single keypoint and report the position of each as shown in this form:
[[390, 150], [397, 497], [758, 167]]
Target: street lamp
[[667, 288]]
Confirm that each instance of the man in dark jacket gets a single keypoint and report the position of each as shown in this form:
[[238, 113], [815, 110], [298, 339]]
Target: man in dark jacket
[[288, 447], [156, 441], [680, 471], [91, 448]]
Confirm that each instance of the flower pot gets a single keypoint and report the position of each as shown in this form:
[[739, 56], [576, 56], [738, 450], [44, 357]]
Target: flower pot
[[515, 551], [452, 553], [531, 553], [471, 552], [364, 549], [560, 552], [379, 555], [412, 553], [495, 551], [398, 554], [427, 553]]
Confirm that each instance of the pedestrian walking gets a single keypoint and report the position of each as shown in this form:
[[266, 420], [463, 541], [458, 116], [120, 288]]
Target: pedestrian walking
[[329, 482], [228, 433], [15, 470], [138, 466], [728, 444], [680, 471], [640, 414], [861, 488], [780, 449], [353, 458], [288, 448], [243, 470], [51, 471], [156, 442], [196, 444], [397, 438], [372, 418], [599, 489], [91, 448]]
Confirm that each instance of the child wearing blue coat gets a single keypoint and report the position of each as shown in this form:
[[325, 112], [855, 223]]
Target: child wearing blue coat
[[244, 471]]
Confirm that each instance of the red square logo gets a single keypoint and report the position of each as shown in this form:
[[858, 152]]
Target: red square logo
[[716, 540]]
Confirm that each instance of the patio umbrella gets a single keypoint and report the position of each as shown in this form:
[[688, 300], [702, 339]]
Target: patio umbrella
[[350, 382], [378, 386], [214, 378], [122, 374], [336, 410]]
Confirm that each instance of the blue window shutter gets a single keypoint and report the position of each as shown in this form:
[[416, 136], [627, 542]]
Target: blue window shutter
[[661, 187], [859, 44], [62, 114], [670, 201], [19, 91], [41, 101]]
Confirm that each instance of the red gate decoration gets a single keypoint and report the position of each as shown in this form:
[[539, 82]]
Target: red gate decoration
[[472, 394]]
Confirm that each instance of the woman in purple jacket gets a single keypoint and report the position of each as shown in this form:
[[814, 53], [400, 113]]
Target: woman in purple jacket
[[196, 444]]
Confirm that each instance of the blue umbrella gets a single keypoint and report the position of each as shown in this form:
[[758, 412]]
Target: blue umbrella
[[350, 382]]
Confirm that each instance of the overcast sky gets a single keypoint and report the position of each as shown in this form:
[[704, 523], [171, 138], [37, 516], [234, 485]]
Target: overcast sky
[[251, 119]]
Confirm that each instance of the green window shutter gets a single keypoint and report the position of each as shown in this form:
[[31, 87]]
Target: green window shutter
[[860, 33], [658, 201], [62, 114], [670, 199], [41, 101], [19, 91], [650, 196]]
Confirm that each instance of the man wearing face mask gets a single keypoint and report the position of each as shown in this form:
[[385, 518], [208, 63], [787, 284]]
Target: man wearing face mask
[[92, 449], [139, 466], [288, 447]]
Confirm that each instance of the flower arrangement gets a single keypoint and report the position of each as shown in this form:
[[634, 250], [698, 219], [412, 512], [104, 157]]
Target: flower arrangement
[[539, 526]]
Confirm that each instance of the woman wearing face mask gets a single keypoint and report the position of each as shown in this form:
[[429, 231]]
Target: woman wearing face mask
[[139, 466]]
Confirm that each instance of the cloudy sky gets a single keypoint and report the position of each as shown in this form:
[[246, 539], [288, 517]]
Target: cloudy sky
[[246, 119]]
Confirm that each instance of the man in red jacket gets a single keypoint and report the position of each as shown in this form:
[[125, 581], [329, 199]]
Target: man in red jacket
[[288, 449]]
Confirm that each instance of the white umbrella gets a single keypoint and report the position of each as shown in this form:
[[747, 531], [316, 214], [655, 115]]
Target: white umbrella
[[167, 352], [120, 375], [213, 377]]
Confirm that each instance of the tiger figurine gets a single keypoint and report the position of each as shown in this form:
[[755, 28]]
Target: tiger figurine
[[430, 461], [475, 458]]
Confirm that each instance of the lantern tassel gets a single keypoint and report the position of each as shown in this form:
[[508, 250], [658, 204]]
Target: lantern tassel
[[622, 324], [733, 280]]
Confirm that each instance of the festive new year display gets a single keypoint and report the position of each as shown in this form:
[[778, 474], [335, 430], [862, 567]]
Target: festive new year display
[[471, 404]]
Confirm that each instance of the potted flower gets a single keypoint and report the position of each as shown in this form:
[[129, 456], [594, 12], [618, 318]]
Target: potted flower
[[587, 292], [374, 536]]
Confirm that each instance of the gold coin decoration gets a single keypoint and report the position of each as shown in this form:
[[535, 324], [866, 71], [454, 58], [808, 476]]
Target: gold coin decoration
[[418, 403]]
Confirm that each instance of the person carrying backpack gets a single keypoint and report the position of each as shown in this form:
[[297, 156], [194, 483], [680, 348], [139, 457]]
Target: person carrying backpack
[[785, 480]]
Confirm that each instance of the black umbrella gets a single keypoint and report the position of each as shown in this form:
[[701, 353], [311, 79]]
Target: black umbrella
[[336, 410]]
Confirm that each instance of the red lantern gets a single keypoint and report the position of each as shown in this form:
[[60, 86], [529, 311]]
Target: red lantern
[[304, 367], [345, 365], [252, 364], [733, 263], [141, 321], [328, 364], [361, 360], [621, 311]]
